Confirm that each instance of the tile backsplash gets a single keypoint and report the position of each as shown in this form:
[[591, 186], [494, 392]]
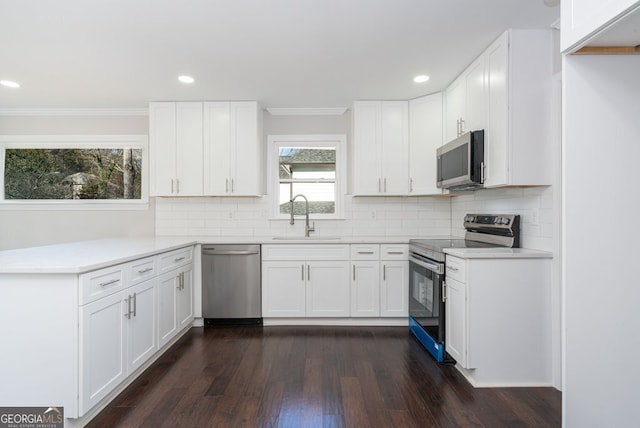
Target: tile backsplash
[[370, 216]]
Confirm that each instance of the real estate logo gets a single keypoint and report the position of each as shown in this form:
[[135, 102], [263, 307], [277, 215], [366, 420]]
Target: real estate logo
[[31, 417]]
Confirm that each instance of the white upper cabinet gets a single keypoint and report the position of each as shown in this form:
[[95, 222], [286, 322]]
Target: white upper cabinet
[[380, 148], [465, 101], [518, 133], [175, 134], [425, 136], [233, 149], [582, 20], [210, 149], [507, 92]]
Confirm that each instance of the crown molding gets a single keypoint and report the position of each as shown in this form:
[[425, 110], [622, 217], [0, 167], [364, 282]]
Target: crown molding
[[74, 112], [319, 111]]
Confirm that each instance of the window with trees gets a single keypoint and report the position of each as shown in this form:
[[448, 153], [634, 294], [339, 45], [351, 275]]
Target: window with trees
[[311, 165], [73, 170]]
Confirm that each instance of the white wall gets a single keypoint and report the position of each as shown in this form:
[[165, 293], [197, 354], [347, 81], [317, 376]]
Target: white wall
[[25, 228], [602, 320]]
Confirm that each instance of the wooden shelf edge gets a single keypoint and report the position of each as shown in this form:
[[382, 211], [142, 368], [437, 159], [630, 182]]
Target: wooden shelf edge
[[608, 50]]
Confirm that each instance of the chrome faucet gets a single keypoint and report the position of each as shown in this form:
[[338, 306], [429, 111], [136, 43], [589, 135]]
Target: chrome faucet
[[307, 228]]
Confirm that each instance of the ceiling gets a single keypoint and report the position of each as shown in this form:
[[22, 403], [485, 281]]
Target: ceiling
[[283, 53]]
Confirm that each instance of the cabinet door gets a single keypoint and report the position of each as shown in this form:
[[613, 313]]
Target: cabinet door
[[247, 151], [365, 289], [283, 289], [583, 18], [394, 142], [327, 289], [394, 289], [102, 348], [162, 148], [455, 107], [456, 321], [476, 96], [425, 136], [496, 137], [167, 317], [217, 148], [142, 340], [366, 175], [184, 310], [188, 154]]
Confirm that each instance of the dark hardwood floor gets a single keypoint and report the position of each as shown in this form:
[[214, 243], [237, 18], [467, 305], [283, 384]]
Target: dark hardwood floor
[[316, 377]]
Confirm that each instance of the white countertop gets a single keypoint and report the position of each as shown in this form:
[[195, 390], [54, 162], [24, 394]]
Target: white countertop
[[84, 256], [498, 253]]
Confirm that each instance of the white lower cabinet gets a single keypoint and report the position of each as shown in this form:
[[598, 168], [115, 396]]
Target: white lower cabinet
[[118, 334], [305, 288], [175, 302], [327, 289], [394, 288], [365, 288], [456, 320], [497, 323]]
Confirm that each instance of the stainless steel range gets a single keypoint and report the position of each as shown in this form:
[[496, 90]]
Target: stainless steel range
[[427, 271]]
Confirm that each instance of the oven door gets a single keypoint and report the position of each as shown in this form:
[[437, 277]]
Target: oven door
[[425, 290]]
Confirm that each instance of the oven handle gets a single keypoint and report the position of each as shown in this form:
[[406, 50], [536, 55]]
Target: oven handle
[[426, 263]]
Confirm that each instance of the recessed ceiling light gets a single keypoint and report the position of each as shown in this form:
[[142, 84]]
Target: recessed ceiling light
[[186, 79], [421, 79], [9, 84]]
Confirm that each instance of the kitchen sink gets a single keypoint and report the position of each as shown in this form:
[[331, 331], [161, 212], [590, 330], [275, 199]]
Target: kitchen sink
[[306, 238]]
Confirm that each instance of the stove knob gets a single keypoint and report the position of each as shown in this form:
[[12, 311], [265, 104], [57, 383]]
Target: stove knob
[[504, 221], [470, 219]]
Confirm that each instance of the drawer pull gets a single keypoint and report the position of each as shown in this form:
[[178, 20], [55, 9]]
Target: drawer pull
[[396, 252], [113, 281], [365, 252], [145, 270], [455, 269], [179, 259]]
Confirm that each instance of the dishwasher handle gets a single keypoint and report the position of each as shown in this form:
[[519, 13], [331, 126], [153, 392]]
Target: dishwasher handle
[[213, 252]]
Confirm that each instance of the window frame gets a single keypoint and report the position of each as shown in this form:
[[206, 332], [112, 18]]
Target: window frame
[[275, 142], [76, 142]]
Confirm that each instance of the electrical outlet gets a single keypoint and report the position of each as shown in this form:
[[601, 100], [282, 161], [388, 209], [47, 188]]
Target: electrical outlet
[[535, 216], [231, 215], [372, 214]]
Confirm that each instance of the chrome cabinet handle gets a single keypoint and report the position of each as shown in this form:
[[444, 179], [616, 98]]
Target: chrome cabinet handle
[[385, 185], [232, 186], [379, 188], [302, 271], [135, 304], [176, 260], [395, 252], [308, 272], [354, 272], [177, 185], [455, 269], [145, 270], [128, 314], [226, 185], [444, 292], [410, 184], [384, 272], [113, 281], [172, 186], [365, 252]]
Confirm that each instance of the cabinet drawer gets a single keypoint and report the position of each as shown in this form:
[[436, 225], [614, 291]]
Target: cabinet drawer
[[305, 252], [365, 252], [100, 283], [394, 252], [456, 268], [175, 258], [141, 270]]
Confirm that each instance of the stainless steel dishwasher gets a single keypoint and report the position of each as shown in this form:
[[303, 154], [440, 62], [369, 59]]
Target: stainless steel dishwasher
[[231, 292]]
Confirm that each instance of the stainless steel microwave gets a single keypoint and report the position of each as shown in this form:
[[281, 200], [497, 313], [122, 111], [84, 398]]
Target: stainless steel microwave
[[461, 162]]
